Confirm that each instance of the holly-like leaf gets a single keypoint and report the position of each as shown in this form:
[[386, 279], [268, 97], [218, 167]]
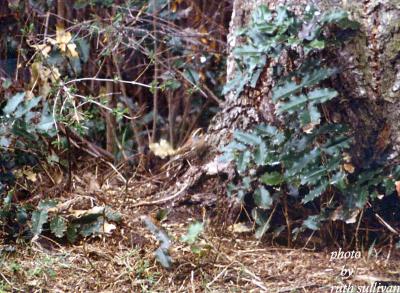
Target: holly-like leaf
[[316, 96], [315, 192], [263, 198], [13, 103], [92, 228], [341, 18], [22, 110], [47, 122], [310, 79], [58, 226], [313, 222], [247, 138], [261, 154], [112, 215], [193, 233], [39, 218], [272, 178], [163, 257], [243, 160], [72, 232]]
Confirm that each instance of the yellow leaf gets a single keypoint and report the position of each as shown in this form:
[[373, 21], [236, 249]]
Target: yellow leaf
[[51, 41], [44, 89], [64, 42], [30, 175], [55, 74], [44, 49], [72, 50], [162, 149]]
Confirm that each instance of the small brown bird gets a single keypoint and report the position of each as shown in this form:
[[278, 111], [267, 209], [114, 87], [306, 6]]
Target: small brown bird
[[193, 148]]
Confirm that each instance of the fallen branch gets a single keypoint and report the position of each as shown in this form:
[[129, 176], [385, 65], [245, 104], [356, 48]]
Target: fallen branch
[[162, 200]]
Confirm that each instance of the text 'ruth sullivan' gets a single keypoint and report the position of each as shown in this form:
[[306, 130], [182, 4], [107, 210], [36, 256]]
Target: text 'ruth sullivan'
[[377, 287]]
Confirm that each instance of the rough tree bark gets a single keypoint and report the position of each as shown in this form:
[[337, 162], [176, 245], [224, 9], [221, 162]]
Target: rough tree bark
[[370, 73], [369, 83]]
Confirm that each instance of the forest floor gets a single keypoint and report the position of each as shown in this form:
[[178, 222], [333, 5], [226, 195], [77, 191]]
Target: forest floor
[[226, 261]]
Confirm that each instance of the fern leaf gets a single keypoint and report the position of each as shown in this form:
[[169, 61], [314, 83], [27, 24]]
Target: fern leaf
[[311, 79]]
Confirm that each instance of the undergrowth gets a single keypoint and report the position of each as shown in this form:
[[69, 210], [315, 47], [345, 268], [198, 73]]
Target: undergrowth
[[303, 158]]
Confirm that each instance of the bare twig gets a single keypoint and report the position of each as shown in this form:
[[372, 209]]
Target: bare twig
[[109, 79], [155, 78], [162, 200]]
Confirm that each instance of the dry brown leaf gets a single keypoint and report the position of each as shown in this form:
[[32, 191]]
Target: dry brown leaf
[[108, 228], [30, 175], [240, 228], [349, 168], [397, 183]]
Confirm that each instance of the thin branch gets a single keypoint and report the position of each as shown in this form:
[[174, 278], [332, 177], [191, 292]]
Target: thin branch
[[108, 79]]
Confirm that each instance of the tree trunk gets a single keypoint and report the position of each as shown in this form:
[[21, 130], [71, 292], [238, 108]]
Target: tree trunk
[[369, 78]]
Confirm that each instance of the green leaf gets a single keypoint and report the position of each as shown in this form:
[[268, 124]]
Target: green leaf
[[8, 199], [92, 228], [261, 218], [300, 102], [193, 233], [232, 84], [302, 161], [267, 130], [46, 122], [162, 252], [262, 198], [243, 161], [72, 232], [6, 83], [313, 222], [315, 192], [261, 230], [312, 176], [317, 44], [248, 50], [22, 215], [84, 48], [13, 103], [47, 204], [341, 18], [39, 218], [247, 138], [389, 185], [112, 215], [163, 257], [22, 110], [261, 154], [261, 15], [295, 103], [247, 183], [58, 226], [314, 114], [162, 214], [192, 75], [310, 79], [272, 178]]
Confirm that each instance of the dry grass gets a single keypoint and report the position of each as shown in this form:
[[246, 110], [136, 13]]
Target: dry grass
[[227, 262]]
